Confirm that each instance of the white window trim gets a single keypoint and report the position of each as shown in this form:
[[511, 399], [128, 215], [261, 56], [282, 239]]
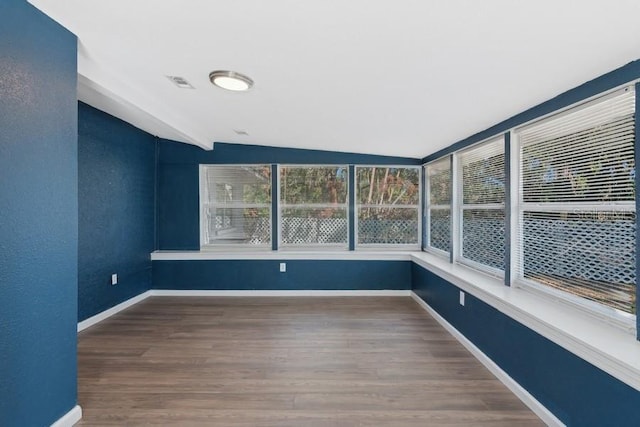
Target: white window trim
[[310, 247], [356, 206], [610, 315], [428, 207], [203, 202], [604, 314], [461, 207]]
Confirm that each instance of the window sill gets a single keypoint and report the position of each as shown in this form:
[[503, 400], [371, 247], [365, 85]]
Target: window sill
[[289, 254], [606, 346]]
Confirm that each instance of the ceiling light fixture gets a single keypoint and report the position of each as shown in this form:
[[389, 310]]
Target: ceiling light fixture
[[230, 80]]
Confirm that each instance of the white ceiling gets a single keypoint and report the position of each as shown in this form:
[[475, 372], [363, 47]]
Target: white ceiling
[[404, 77]]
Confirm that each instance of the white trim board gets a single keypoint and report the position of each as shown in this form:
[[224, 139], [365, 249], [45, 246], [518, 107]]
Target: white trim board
[[532, 403], [235, 293], [111, 311], [284, 255], [278, 293], [70, 418]]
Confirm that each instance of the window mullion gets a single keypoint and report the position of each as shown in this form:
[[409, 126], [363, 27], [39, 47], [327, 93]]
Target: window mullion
[[456, 200]]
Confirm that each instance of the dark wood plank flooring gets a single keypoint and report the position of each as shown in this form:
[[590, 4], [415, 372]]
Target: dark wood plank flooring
[[285, 362]]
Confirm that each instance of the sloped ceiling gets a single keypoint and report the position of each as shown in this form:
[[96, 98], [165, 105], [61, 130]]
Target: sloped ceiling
[[402, 77]]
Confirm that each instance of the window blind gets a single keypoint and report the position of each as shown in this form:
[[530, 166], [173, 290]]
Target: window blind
[[577, 202], [438, 177], [236, 205], [482, 205]]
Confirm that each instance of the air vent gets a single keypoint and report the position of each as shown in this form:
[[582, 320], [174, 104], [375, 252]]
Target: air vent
[[181, 82]]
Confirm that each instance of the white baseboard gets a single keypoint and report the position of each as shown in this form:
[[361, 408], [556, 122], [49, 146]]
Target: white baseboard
[[540, 410], [249, 293], [275, 293], [111, 311], [70, 418]]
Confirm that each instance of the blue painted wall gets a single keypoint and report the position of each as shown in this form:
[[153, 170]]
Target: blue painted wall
[[578, 393], [178, 186], [265, 275], [38, 217], [116, 204]]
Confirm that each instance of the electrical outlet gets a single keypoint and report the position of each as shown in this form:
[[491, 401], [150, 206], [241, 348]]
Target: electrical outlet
[[283, 267], [114, 279], [461, 298]]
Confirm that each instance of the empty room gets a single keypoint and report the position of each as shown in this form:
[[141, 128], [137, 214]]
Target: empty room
[[355, 213]]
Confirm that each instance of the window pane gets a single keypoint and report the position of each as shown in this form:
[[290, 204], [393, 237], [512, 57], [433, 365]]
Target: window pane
[[388, 205], [439, 219], [591, 255], [314, 185], [388, 186], [388, 225], [483, 236], [483, 229], [577, 229], [238, 225], [440, 229], [483, 179], [439, 180], [313, 205], [592, 165], [239, 184], [236, 204], [314, 225]]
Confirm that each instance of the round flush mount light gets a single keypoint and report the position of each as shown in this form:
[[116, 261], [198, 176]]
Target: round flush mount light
[[230, 80]]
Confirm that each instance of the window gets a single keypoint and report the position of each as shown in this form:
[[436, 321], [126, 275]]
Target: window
[[314, 205], [481, 205], [576, 204], [235, 205], [388, 206], [438, 176]]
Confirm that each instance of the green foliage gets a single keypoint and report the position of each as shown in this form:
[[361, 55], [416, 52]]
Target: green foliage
[[258, 189], [314, 185], [388, 186], [439, 182]]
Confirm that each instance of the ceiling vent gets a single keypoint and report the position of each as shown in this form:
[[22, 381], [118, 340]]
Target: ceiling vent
[[181, 82]]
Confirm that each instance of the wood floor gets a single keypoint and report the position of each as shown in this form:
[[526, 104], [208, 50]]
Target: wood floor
[[285, 362]]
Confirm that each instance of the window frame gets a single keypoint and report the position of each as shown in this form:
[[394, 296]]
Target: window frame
[[356, 207], [460, 206], [428, 207], [280, 206], [604, 312], [204, 204]]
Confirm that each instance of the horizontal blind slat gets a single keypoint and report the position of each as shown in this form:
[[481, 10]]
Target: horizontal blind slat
[[577, 220], [482, 212]]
